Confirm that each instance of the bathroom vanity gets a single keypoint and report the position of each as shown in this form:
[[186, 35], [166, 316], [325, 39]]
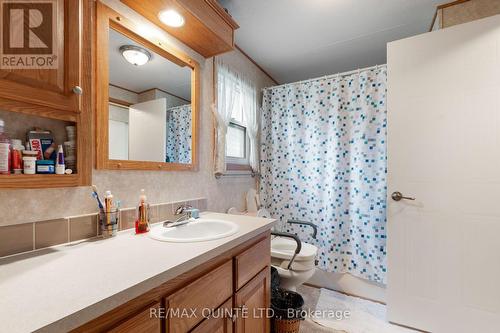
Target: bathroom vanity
[[147, 285]]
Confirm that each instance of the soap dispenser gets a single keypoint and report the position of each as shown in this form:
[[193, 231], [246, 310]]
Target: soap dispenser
[[142, 221]]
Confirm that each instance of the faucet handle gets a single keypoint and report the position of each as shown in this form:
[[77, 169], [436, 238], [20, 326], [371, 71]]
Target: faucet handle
[[183, 209]]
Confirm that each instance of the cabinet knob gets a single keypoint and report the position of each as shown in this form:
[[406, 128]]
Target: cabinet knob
[[78, 90]]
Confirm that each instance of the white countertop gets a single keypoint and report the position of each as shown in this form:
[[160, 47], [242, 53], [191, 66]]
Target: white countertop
[[60, 288]]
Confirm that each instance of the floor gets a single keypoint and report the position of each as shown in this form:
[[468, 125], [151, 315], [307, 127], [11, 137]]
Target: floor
[[311, 295]]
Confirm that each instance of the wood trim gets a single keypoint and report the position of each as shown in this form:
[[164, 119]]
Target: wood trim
[[439, 11], [123, 88], [166, 92], [107, 320], [222, 13], [109, 19], [40, 181], [140, 92], [453, 3], [433, 20], [120, 102], [84, 123], [255, 63], [36, 110]]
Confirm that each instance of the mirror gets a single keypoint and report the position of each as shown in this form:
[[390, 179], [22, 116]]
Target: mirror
[[147, 101], [149, 104]]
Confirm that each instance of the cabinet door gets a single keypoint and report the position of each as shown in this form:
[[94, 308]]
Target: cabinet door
[[252, 302], [142, 322], [219, 322], [41, 64], [208, 292]]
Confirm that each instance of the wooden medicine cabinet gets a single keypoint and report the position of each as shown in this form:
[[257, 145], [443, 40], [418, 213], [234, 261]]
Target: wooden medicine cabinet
[[47, 80]]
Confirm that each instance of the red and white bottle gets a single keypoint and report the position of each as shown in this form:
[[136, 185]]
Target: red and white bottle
[[5, 154]]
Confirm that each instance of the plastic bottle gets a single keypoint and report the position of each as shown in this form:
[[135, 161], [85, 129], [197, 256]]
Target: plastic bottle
[[16, 159], [5, 154], [142, 222], [60, 167]]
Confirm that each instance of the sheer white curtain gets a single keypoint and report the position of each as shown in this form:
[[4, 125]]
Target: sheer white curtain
[[227, 95], [249, 105]]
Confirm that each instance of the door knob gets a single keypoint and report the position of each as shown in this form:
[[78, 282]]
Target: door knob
[[398, 196], [77, 90]]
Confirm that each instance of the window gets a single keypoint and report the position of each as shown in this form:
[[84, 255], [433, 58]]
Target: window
[[236, 137], [236, 122]]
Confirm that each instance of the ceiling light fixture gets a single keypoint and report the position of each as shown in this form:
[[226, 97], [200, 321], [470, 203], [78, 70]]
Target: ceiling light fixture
[[135, 55], [171, 18]]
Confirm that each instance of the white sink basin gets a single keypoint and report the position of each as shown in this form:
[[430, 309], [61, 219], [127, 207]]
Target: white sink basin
[[197, 231]]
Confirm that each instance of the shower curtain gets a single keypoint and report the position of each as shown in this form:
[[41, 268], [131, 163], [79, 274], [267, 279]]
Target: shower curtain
[[323, 160], [179, 134]]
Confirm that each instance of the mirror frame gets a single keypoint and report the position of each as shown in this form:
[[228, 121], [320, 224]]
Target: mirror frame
[[108, 19]]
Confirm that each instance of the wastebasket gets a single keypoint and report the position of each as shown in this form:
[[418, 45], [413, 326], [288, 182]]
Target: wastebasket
[[287, 307]]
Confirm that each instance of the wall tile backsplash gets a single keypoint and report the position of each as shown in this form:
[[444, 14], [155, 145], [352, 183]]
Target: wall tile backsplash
[[16, 238], [26, 237]]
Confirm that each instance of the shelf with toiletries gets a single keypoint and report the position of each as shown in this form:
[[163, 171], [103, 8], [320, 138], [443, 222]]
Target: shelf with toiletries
[[37, 152], [60, 95]]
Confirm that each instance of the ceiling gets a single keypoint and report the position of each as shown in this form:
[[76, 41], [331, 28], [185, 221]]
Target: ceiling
[[157, 73], [300, 39]]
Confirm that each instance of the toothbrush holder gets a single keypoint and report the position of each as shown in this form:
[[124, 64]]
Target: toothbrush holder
[[108, 222]]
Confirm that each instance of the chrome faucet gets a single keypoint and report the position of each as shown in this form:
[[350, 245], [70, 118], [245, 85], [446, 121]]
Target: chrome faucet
[[184, 213]]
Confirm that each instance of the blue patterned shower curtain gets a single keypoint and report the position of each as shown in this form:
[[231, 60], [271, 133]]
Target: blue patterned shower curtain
[[179, 134], [323, 159]]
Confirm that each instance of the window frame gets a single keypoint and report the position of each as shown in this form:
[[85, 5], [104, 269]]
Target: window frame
[[231, 161]]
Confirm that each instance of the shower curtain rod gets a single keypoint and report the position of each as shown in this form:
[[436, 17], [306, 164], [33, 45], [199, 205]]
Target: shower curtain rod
[[328, 76]]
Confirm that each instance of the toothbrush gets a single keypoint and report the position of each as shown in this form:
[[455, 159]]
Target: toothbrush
[[96, 196]]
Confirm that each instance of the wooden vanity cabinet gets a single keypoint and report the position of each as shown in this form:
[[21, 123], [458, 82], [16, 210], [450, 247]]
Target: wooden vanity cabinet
[[254, 300], [222, 302], [55, 88], [141, 322], [220, 322]]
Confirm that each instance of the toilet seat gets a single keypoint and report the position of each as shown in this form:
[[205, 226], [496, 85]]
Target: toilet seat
[[284, 248]]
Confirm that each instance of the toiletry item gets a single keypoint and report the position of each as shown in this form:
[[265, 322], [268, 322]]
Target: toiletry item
[[43, 142], [30, 153], [5, 154], [195, 213], [16, 156], [142, 222], [60, 167], [45, 166], [108, 205], [29, 164], [70, 162], [95, 194], [71, 133], [69, 148]]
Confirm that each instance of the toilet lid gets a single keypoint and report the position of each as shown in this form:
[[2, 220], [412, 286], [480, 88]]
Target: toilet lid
[[284, 248]]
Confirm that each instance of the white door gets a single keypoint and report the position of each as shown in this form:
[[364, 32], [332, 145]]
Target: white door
[[148, 131], [444, 150]]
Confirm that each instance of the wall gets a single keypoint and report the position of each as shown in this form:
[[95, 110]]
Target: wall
[[21, 206]]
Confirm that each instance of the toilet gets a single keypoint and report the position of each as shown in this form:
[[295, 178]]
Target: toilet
[[283, 249], [303, 266]]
